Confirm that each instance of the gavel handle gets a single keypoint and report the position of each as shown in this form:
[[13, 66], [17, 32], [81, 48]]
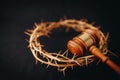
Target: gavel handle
[[95, 51]]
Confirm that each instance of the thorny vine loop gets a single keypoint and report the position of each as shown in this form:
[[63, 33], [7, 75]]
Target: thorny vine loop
[[61, 61]]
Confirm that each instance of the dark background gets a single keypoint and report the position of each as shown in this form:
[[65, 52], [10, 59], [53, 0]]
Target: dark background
[[16, 60]]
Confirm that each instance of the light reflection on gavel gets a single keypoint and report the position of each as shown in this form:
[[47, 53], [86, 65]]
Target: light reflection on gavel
[[86, 41]]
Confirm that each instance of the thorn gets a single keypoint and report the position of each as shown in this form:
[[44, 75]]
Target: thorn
[[93, 23], [72, 67], [107, 36], [98, 27], [35, 24], [90, 60], [42, 45], [47, 66], [27, 33], [65, 52], [36, 61], [67, 29], [41, 62], [98, 62], [59, 68], [73, 57], [59, 51], [78, 63], [86, 62], [51, 60], [56, 63], [48, 59], [112, 53], [36, 55], [34, 27], [27, 40], [30, 30], [63, 72]]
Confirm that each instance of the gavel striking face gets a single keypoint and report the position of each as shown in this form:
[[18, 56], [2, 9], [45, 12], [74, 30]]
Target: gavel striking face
[[81, 43]]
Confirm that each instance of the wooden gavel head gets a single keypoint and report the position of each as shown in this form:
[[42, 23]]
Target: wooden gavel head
[[81, 43]]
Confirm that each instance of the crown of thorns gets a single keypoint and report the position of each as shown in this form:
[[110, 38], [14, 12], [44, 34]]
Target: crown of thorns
[[61, 60]]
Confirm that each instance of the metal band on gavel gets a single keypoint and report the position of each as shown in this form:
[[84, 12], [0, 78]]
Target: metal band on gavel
[[87, 41]]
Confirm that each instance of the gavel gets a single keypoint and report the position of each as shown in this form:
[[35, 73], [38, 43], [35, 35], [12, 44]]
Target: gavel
[[87, 41]]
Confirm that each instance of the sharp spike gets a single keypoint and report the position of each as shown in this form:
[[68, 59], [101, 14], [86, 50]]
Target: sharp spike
[[73, 57], [47, 66], [47, 59], [30, 30], [27, 33], [58, 53], [27, 40], [36, 61], [93, 23], [72, 67], [86, 62], [35, 24], [51, 60], [63, 72], [78, 63], [112, 53], [98, 62], [65, 52], [107, 36]]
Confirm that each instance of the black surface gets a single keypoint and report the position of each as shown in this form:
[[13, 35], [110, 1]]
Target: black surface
[[16, 60]]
